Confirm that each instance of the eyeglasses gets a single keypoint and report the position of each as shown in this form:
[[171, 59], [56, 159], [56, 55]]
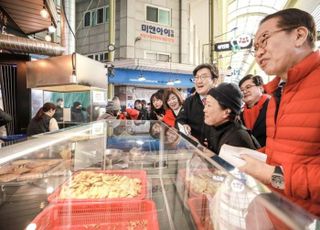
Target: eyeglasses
[[263, 41], [246, 88], [201, 77]]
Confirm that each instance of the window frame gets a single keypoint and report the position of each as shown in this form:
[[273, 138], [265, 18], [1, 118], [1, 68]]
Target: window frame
[[157, 54], [103, 15], [107, 11], [165, 54], [98, 55], [159, 8], [84, 19], [93, 17]]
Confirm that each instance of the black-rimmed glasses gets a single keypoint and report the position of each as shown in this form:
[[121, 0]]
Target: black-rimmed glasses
[[201, 77], [263, 40], [246, 88]]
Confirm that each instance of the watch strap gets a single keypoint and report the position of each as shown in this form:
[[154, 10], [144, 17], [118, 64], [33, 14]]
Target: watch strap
[[278, 170]]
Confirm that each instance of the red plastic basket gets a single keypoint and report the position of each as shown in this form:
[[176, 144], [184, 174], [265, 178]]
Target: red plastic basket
[[140, 174], [199, 207], [137, 214]]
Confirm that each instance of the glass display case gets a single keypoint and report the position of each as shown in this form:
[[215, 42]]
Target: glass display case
[[132, 175]]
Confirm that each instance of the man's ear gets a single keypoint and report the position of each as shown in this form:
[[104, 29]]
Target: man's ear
[[214, 82], [226, 113], [261, 88], [302, 35]]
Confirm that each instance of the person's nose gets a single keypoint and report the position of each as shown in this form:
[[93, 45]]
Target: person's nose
[[259, 52]]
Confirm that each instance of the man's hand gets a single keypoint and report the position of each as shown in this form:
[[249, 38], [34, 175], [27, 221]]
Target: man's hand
[[187, 128], [160, 117], [257, 169]]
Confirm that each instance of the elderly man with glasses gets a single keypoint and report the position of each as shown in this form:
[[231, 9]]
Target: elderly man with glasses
[[285, 47], [256, 103], [191, 115]]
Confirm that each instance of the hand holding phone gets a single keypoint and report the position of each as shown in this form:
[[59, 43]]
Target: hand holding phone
[[185, 129]]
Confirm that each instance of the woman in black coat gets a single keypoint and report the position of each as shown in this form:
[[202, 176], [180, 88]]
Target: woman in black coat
[[221, 113]]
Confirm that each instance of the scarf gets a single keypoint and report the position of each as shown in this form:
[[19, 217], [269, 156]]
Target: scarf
[[250, 115]]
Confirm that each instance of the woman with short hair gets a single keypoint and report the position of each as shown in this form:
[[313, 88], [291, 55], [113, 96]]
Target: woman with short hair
[[221, 114]]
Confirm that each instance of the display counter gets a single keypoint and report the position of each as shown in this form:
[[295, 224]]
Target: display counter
[[132, 175]]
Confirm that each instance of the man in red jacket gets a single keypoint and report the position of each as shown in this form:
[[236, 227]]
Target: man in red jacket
[[284, 46], [255, 108]]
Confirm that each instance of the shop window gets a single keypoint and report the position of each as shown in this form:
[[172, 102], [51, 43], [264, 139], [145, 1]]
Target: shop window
[[87, 19], [99, 16], [158, 15]]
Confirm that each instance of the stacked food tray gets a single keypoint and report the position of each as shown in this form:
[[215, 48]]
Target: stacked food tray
[[200, 212], [201, 181], [99, 186], [110, 199], [134, 215], [24, 170], [199, 185]]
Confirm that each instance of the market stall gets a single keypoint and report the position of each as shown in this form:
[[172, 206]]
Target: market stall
[[130, 175], [79, 82]]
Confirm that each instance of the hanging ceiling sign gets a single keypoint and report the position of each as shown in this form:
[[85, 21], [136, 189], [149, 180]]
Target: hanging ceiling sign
[[243, 41], [222, 46]]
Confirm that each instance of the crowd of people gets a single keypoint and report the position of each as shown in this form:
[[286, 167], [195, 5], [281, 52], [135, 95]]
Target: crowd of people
[[280, 119]]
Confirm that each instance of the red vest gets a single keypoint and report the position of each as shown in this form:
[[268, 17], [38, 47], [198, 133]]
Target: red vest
[[293, 140]]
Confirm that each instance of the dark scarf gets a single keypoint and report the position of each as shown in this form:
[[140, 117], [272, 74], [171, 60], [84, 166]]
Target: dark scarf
[[217, 133]]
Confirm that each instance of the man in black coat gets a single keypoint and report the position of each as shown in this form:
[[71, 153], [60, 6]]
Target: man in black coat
[[58, 115], [191, 116]]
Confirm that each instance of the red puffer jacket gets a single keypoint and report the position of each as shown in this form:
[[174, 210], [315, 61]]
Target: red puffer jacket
[[293, 141]]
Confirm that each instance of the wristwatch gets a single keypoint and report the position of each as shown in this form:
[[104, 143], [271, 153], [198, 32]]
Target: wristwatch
[[277, 178]]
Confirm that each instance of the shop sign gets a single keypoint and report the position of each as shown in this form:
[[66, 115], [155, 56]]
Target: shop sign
[[222, 46], [157, 33], [98, 97], [243, 41]]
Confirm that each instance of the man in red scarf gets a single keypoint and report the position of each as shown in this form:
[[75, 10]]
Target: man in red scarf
[[256, 103]]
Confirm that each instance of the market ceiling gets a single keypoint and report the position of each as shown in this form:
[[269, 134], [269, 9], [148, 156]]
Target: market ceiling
[[26, 14], [243, 19]]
